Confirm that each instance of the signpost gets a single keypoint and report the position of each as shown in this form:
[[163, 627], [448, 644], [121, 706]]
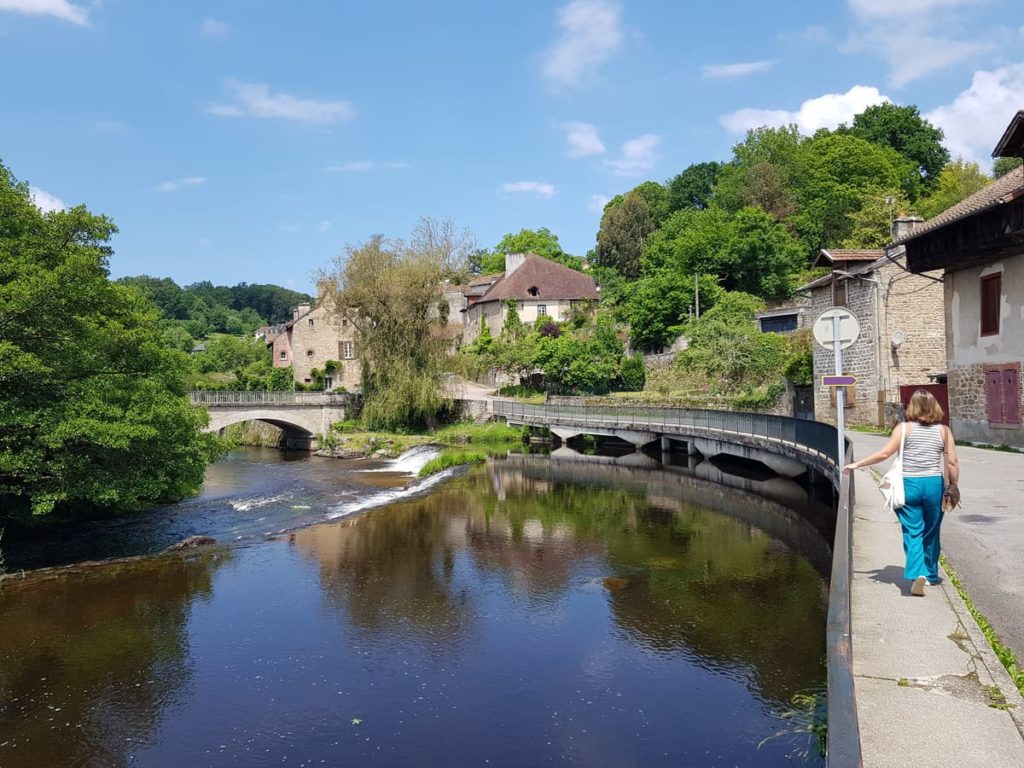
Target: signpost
[[837, 328]]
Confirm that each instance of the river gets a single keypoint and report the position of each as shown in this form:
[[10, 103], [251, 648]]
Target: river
[[533, 611]]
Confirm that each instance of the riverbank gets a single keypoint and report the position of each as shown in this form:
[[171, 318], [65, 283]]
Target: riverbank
[[348, 441]]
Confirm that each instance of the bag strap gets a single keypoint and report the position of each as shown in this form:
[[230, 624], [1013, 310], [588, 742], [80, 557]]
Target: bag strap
[[903, 437]]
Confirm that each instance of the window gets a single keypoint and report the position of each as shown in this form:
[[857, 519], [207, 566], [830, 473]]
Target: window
[[838, 292], [991, 297], [311, 322], [284, 355], [542, 310], [1002, 394], [533, 290], [328, 382], [779, 324], [309, 353], [347, 350]]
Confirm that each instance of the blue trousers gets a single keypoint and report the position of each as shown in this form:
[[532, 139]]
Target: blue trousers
[[921, 518]]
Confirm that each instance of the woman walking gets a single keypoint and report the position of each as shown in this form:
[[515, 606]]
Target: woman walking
[[926, 443]]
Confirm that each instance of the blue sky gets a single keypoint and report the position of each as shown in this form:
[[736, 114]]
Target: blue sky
[[240, 141]]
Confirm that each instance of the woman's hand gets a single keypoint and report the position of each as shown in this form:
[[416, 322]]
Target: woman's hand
[[850, 467]]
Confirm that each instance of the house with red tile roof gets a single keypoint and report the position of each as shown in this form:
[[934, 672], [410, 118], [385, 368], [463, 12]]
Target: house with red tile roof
[[536, 287]]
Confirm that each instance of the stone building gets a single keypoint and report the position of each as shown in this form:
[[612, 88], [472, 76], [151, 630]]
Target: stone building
[[902, 336], [315, 335], [539, 287], [979, 245]]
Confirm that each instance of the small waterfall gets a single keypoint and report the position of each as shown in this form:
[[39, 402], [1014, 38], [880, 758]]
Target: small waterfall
[[412, 461], [395, 494]]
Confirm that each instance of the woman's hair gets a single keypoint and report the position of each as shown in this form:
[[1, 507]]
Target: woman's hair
[[924, 408]]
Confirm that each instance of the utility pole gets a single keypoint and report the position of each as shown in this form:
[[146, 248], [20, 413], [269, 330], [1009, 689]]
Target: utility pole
[[696, 293]]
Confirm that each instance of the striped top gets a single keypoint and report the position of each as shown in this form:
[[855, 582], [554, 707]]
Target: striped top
[[923, 450]]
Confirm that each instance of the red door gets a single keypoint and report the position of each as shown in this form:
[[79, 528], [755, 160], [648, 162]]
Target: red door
[[993, 396], [939, 391], [1011, 407]]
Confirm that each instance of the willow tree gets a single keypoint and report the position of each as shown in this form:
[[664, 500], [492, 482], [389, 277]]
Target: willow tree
[[389, 290]]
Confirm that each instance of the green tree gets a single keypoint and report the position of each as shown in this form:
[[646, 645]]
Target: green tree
[[620, 240], [693, 188], [957, 181], [389, 291], [542, 242], [95, 413], [739, 181], [229, 353], [659, 304], [633, 373], [903, 129], [871, 225], [1003, 165], [835, 174]]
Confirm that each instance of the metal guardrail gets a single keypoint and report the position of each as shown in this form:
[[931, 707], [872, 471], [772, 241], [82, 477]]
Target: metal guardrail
[[256, 397], [809, 437], [843, 723]]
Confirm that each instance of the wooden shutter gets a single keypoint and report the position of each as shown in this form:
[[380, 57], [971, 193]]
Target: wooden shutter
[[1011, 405], [993, 396], [991, 297]]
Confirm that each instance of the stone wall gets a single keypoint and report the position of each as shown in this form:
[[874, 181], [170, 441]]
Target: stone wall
[[968, 408], [898, 301], [318, 337]]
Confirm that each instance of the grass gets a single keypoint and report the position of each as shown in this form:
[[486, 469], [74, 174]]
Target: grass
[[349, 434], [807, 724], [869, 429], [1004, 448], [1004, 654], [452, 457]]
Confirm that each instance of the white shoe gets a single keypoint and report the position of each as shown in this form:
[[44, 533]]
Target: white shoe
[[917, 588]]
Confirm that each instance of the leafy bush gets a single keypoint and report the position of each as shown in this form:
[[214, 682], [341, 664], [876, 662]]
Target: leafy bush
[[452, 457]]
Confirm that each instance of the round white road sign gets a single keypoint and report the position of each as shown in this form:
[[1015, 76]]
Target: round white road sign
[[824, 328]]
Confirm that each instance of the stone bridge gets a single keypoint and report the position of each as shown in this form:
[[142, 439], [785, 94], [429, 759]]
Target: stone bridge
[[303, 416]]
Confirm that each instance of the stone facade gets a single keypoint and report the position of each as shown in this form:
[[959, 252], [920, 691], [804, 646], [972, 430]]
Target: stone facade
[[888, 302], [314, 337], [495, 312]]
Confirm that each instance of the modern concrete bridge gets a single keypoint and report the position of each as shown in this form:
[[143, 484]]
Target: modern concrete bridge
[[304, 416], [789, 447]]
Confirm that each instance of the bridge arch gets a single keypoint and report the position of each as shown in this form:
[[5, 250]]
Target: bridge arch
[[301, 431]]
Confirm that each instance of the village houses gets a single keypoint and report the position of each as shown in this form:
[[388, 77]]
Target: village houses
[[317, 339], [901, 346], [978, 245]]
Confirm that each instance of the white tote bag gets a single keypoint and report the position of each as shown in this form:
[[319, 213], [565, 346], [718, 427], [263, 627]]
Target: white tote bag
[[892, 482]]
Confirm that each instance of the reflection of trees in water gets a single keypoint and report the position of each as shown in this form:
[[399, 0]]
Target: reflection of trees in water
[[684, 579], [90, 657], [394, 569]]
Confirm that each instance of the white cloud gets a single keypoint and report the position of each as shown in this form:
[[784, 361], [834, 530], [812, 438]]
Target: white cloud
[[975, 119], [870, 9], [825, 111], [583, 140], [591, 33], [46, 202], [60, 9], [538, 188], [174, 186], [740, 69], [638, 156], [352, 166], [324, 225], [598, 202], [256, 100], [912, 36], [814, 34], [213, 28]]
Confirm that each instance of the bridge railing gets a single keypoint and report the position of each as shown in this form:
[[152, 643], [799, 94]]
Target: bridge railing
[[806, 436], [222, 397]]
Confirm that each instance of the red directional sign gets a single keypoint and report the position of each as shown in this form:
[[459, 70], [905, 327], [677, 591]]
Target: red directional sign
[[838, 381]]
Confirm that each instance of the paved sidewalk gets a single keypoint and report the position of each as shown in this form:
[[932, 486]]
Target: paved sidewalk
[[984, 539], [930, 691]]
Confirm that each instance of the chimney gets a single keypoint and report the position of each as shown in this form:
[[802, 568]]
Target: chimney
[[300, 310], [513, 261], [904, 226]]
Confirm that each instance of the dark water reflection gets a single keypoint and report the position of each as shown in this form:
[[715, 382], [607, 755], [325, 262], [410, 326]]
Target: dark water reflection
[[524, 614]]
